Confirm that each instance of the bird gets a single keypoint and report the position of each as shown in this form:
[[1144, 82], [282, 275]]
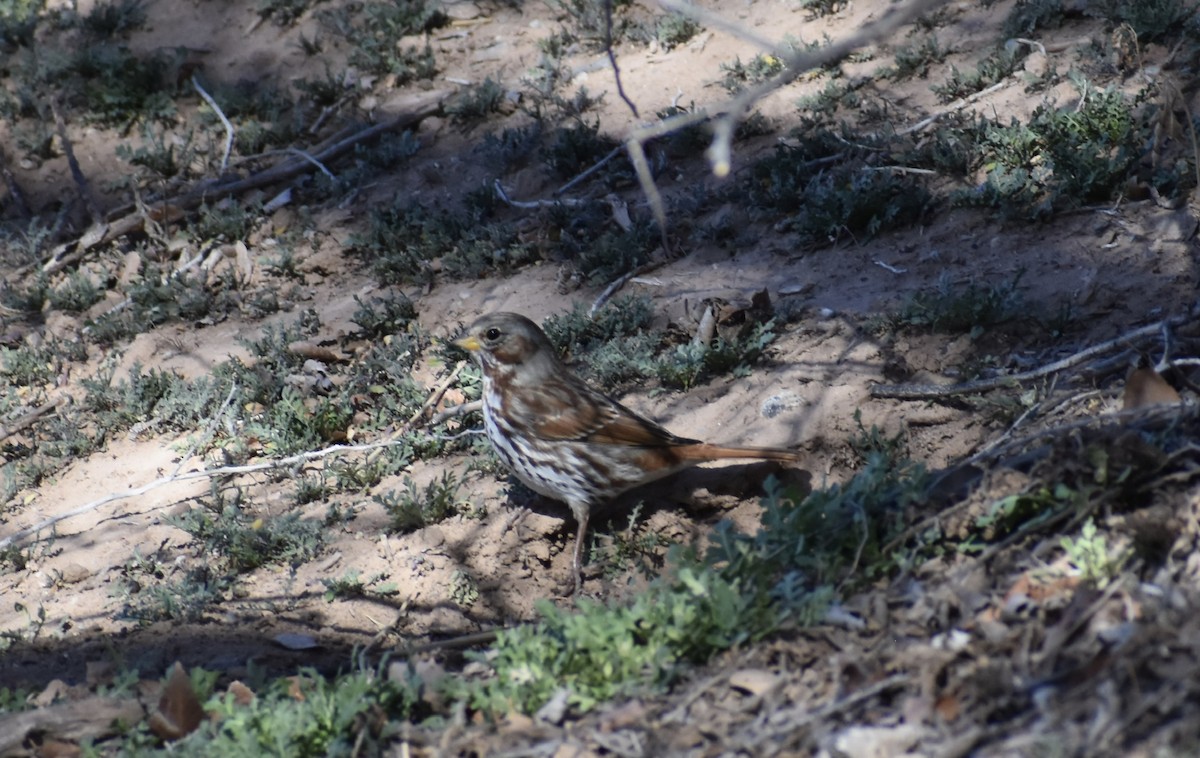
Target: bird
[[566, 440]]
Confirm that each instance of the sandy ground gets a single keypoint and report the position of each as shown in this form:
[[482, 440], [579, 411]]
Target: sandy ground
[[1118, 269]]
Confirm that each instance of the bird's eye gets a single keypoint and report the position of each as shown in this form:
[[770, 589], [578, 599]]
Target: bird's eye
[[492, 334]]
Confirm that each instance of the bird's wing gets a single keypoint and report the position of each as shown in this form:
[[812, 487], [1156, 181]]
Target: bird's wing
[[585, 415]]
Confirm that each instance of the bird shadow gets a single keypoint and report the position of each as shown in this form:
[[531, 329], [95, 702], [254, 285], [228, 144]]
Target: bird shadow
[[702, 491]]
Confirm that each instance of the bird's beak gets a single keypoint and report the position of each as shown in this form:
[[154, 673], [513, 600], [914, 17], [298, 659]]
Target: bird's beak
[[468, 343]]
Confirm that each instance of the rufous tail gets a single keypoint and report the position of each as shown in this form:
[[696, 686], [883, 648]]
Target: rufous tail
[[702, 451]]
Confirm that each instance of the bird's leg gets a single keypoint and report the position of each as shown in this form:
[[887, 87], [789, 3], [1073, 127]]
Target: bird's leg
[[577, 561]]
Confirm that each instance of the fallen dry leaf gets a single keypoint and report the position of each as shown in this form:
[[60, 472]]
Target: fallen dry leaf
[[242, 695], [1145, 387], [179, 712]]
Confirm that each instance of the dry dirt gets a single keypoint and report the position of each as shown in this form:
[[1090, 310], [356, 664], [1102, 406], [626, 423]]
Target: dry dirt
[[1119, 267]]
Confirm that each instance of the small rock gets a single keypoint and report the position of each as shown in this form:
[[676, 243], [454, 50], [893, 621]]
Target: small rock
[[555, 709], [540, 551], [777, 404], [55, 690], [754, 681], [462, 11], [433, 536], [1037, 63], [495, 52], [795, 287], [296, 641], [73, 573], [878, 741]]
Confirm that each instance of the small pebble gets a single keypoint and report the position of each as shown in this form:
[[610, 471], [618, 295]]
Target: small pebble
[[777, 404]]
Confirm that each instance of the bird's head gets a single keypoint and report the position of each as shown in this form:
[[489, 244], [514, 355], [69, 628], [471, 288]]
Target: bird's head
[[503, 342]]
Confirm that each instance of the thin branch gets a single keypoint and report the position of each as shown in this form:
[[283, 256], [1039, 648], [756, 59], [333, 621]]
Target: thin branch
[[801, 61], [717, 21], [130, 219], [616, 286], [794, 719], [251, 468], [902, 170], [221, 115], [434, 398], [612, 56], [594, 168], [428, 105], [30, 418], [719, 152], [531, 204], [457, 643], [320, 166], [455, 411], [1150, 416], [923, 391], [638, 156], [954, 107], [1030, 412], [209, 429]]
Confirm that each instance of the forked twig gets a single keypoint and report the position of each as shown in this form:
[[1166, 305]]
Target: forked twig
[[434, 398], [719, 152]]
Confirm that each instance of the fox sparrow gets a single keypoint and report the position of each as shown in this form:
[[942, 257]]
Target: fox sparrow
[[564, 439]]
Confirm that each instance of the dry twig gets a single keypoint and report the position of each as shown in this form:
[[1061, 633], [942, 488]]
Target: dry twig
[[612, 56], [293, 460], [434, 398], [129, 220], [30, 418], [616, 286], [796, 63], [224, 122], [927, 391]]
